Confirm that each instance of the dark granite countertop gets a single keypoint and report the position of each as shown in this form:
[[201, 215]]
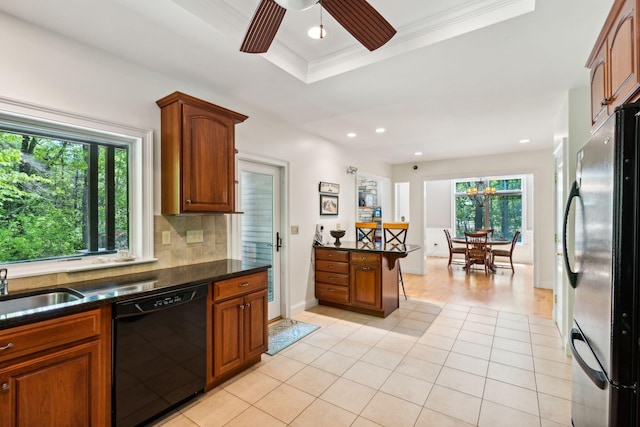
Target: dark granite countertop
[[371, 247], [112, 289]]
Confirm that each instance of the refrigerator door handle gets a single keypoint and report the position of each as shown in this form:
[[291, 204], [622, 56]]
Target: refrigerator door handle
[[573, 276], [598, 377]]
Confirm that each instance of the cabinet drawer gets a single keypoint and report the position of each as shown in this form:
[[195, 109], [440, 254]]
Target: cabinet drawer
[[328, 292], [335, 278], [239, 285], [332, 255], [365, 257], [331, 266], [28, 339]]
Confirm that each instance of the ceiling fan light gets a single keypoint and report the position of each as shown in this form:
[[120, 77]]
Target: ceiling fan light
[[296, 4], [317, 33]]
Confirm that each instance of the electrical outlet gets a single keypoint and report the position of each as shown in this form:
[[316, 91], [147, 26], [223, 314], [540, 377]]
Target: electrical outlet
[[166, 237], [295, 229], [194, 236]]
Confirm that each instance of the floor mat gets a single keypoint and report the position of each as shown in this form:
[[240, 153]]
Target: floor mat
[[285, 332]]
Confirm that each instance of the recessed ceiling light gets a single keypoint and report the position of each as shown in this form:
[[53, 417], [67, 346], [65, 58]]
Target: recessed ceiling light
[[351, 134], [524, 141], [418, 153], [317, 33], [381, 130]]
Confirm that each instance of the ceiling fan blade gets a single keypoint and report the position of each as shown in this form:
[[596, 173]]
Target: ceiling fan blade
[[263, 27], [361, 20]]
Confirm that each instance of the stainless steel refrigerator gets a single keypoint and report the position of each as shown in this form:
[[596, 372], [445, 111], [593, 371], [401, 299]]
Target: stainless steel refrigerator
[[604, 338]]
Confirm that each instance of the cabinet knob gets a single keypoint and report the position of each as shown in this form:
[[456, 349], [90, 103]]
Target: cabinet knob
[[5, 387], [248, 305], [188, 201], [606, 101], [6, 347], [242, 307]]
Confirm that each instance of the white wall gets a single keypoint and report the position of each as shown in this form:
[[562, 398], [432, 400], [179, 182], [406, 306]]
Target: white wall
[[538, 163], [46, 69]]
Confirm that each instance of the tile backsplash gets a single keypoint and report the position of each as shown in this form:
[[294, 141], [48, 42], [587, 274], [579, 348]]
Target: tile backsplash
[[177, 253]]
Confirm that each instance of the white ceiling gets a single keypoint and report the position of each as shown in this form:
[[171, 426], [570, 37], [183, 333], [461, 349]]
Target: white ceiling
[[460, 77]]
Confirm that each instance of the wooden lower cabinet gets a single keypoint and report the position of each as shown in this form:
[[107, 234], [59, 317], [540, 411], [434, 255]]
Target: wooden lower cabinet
[[362, 281], [66, 381], [239, 326]]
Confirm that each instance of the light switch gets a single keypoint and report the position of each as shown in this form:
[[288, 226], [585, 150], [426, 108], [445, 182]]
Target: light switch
[[295, 229], [166, 237]]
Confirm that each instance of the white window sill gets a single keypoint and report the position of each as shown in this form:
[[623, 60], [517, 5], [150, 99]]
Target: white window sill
[[16, 271]]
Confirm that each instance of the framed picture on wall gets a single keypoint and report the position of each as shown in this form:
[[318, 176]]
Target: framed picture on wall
[[327, 187], [328, 204]]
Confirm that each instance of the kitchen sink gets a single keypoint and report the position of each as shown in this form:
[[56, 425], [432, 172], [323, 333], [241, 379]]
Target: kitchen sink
[[37, 300]]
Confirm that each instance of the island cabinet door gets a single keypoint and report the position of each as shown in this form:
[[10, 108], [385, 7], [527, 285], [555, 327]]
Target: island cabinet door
[[366, 286]]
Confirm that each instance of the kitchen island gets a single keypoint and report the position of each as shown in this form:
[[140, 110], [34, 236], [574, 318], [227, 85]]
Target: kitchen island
[[358, 276]]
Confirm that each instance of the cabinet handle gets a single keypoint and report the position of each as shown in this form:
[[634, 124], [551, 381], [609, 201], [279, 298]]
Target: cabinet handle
[[244, 285], [365, 268], [188, 201], [241, 307], [7, 347], [331, 290], [248, 305], [5, 387], [606, 101]]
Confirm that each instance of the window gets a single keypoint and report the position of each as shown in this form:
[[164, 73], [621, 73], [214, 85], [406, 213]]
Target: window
[[71, 187], [504, 210], [61, 198]]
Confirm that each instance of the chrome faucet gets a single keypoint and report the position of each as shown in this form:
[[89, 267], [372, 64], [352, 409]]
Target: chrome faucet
[[4, 282]]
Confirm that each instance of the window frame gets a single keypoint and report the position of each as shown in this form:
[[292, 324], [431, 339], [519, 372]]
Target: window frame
[[523, 194], [139, 143]]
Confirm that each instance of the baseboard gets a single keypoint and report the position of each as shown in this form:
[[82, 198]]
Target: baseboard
[[303, 306]]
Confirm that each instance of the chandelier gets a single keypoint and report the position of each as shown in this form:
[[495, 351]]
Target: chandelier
[[481, 193]]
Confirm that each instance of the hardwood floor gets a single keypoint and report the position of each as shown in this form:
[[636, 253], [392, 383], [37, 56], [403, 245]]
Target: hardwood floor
[[502, 291]]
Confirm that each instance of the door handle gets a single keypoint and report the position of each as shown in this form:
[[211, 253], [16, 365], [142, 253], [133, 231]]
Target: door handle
[[598, 377], [573, 276], [278, 242]]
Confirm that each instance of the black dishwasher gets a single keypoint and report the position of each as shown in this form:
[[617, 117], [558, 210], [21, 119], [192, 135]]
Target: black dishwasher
[[159, 353]]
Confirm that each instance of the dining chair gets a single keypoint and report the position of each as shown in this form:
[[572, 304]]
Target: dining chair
[[477, 251], [454, 249], [396, 233], [366, 231], [506, 253]]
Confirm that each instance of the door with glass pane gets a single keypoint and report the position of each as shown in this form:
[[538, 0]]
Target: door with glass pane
[[261, 239]]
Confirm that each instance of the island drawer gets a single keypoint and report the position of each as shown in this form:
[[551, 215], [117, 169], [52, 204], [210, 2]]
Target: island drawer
[[334, 278], [28, 339], [368, 257], [328, 292], [332, 266], [332, 255], [239, 285]]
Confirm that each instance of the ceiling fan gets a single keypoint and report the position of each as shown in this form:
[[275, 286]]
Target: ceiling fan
[[356, 16]]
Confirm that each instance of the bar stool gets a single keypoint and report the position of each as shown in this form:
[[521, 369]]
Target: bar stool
[[395, 233], [366, 231]]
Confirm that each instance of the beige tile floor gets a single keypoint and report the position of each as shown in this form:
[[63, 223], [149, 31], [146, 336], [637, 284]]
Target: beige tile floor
[[427, 364]]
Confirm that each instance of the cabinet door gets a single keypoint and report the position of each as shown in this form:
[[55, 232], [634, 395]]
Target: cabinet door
[[599, 93], [622, 56], [366, 286], [255, 321], [227, 336], [61, 388], [208, 161]]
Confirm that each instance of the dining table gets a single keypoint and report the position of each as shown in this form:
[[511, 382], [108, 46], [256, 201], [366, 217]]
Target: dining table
[[491, 241]]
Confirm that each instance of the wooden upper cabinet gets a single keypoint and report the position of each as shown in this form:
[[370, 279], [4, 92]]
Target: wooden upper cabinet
[[198, 155], [614, 61]]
